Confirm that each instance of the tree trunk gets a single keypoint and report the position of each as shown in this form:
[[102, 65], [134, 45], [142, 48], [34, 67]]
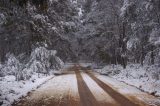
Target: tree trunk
[[142, 55], [152, 56], [124, 62], [124, 46]]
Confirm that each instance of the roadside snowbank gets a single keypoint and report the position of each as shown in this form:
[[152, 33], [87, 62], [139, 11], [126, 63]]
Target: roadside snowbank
[[11, 90], [146, 78]]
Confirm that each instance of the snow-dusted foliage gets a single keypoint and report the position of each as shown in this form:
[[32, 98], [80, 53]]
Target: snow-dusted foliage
[[119, 32], [24, 23], [11, 67], [41, 61], [2, 19], [125, 7], [106, 31], [155, 36]]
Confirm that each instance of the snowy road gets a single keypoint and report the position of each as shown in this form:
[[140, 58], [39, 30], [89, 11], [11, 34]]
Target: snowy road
[[77, 87]]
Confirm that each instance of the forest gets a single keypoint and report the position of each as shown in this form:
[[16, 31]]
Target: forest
[[112, 31], [122, 37]]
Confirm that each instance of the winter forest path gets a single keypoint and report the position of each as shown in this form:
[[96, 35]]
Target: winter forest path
[[78, 86]]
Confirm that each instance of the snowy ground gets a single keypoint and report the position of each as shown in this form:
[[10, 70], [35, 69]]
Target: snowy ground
[[145, 78], [11, 90], [64, 88], [66, 84]]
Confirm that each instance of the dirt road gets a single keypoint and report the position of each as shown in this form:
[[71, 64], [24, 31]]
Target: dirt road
[[78, 87]]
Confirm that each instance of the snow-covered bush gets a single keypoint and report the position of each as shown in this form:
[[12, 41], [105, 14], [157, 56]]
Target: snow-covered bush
[[111, 70], [133, 71], [11, 66], [43, 60]]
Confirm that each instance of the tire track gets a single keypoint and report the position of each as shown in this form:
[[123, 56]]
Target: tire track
[[86, 97], [122, 100]]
